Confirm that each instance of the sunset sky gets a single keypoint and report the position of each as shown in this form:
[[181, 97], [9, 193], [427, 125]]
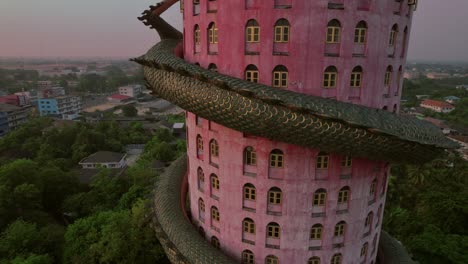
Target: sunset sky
[[109, 28]]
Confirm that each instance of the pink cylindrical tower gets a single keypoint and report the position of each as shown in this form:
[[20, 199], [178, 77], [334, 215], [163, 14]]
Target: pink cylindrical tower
[[262, 201]]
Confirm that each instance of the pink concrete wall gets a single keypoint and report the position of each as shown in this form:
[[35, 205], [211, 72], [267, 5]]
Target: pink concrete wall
[[299, 179], [298, 185], [306, 61]]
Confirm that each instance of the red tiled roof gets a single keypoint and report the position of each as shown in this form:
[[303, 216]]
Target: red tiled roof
[[437, 104], [119, 97]]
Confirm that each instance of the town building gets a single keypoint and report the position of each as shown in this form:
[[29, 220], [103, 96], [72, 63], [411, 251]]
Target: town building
[[19, 100], [441, 124], [285, 100], [51, 92], [438, 75], [113, 162], [130, 90], [44, 84], [104, 159], [462, 87], [452, 99], [437, 106], [411, 75], [11, 117], [63, 107], [120, 99]]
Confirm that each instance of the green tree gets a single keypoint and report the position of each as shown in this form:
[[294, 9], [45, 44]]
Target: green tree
[[129, 111], [112, 237], [427, 208]]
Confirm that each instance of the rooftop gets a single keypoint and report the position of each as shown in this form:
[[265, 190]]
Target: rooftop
[[119, 97], [437, 103], [103, 157], [9, 108]]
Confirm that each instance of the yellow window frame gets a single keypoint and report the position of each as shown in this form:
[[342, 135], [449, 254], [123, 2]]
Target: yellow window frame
[[274, 197], [319, 198], [282, 34], [251, 76], [280, 79], [253, 34], [333, 34], [316, 232]]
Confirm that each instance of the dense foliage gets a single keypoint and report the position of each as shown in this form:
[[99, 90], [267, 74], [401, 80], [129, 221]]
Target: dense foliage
[[427, 209], [47, 216]]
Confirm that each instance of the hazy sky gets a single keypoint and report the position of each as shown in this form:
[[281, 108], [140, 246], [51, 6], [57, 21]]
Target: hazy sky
[[110, 28]]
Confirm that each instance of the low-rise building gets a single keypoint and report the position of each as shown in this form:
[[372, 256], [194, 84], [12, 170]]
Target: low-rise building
[[44, 84], [130, 90], [11, 117], [437, 106], [104, 159], [440, 124], [451, 99], [120, 99], [438, 75], [462, 87], [15, 99], [51, 92], [64, 107]]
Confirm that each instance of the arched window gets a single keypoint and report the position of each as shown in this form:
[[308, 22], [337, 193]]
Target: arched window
[[374, 243], [356, 77], [393, 35], [273, 230], [201, 205], [336, 259], [196, 7], [316, 232], [270, 259], [330, 77], [274, 196], [212, 33], [364, 249], [201, 231], [399, 76], [215, 242], [320, 197], [199, 145], [212, 67], [314, 260], [252, 31], [276, 159], [322, 160], [214, 182], [251, 73], [280, 76], [214, 148], [405, 40], [248, 257], [368, 221], [347, 161], [372, 188], [250, 156], [360, 33], [388, 76], [282, 31], [333, 31], [248, 226], [201, 178], [214, 214], [379, 215], [196, 35], [343, 195], [340, 229], [250, 192]]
